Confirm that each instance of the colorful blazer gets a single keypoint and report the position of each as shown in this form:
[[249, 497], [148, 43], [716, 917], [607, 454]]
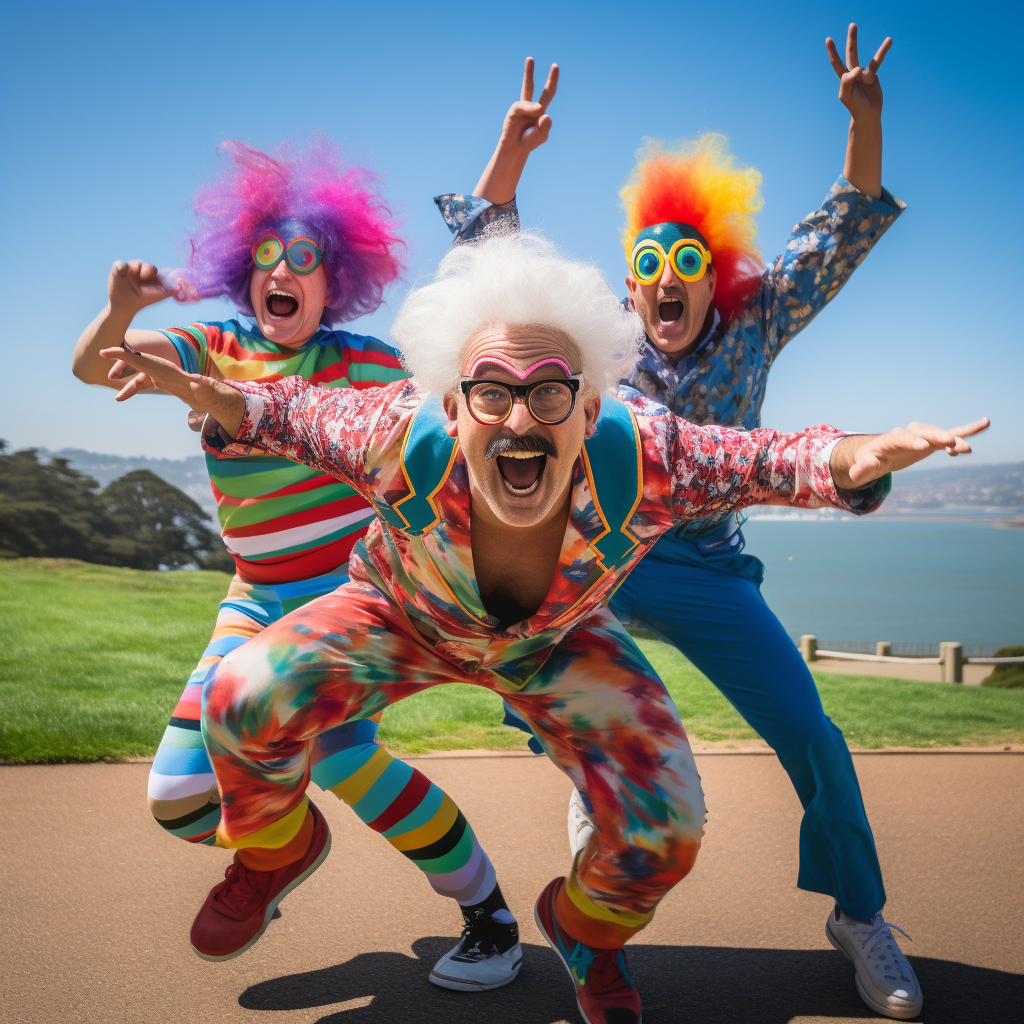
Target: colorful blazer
[[642, 472]]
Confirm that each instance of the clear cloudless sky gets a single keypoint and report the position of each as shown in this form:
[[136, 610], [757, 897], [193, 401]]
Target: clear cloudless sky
[[111, 114]]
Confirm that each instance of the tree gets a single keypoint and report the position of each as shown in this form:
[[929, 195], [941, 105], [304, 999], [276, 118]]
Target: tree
[[46, 509], [140, 521], [153, 524]]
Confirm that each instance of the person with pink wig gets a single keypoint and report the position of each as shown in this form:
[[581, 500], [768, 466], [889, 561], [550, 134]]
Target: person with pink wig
[[301, 243]]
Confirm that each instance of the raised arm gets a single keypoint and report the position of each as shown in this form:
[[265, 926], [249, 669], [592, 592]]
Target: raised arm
[[828, 245], [131, 287], [861, 94], [526, 126]]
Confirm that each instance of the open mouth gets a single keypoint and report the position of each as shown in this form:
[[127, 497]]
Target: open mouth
[[670, 310], [521, 471], [281, 304]]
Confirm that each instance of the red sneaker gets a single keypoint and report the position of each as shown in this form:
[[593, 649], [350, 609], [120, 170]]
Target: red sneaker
[[238, 910], [605, 994]]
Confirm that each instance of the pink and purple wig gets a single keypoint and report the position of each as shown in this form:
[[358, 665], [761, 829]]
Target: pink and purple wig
[[340, 205]]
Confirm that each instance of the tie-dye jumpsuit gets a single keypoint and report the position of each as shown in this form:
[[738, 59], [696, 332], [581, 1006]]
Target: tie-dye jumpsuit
[[412, 618], [290, 530]]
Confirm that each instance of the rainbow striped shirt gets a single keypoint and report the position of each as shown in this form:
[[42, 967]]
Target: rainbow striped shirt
[[282, 521]]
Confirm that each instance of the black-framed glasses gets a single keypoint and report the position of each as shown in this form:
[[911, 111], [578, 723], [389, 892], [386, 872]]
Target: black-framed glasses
[[549, 401]]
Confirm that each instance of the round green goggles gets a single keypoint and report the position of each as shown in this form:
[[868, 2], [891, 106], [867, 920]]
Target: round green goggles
[[302, 255]]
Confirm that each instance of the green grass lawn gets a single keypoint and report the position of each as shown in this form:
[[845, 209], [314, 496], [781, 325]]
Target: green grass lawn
[[93, 660]]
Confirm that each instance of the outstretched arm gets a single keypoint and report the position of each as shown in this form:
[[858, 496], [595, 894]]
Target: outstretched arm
[[527, 125], [718, 469], [334, 430], [861, 94], [131, 287]]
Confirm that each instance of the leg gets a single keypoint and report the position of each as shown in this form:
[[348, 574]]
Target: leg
[[607, 721], [272, 713], [719, 620], [182, 788]]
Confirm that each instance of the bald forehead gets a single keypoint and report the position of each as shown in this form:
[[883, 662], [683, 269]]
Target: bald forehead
[[522, 345]]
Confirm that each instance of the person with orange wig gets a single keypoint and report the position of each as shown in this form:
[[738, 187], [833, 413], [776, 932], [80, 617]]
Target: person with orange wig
[[716, 318]]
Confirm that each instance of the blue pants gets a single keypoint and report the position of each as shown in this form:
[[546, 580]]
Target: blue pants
[[704, 597]]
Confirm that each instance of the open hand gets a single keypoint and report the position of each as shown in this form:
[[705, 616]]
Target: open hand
[[899, 448], [199, 393], [527, 123], [133, 285], [859, 89]]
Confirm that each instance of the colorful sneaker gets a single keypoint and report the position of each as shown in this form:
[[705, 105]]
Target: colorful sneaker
[[581, 827], [605, 994], [238, 910], [487, 956], [885, 979]]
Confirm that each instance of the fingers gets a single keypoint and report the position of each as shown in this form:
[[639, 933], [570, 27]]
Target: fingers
[[866, 466], [550, 88], [969, 429], [852, 60], [876, 61], [140, 382], [834, 59], [527, 90], [120, 371], [153, 365]]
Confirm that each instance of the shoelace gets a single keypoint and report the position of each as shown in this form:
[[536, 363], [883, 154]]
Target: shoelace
[[609, 975], [880, 925], [240, 888], [476, 943]]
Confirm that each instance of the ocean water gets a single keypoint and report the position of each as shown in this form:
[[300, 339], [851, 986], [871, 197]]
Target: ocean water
[[915, 582]]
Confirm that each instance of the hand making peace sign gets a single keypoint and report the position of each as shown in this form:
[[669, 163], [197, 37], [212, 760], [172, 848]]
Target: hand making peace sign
[[526, 126], [859, 89], [528, 123]]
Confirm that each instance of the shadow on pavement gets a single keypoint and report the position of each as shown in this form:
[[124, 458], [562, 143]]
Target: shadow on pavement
[[709, 984]]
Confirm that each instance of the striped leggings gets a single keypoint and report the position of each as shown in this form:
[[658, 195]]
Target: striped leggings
[[398, 801]]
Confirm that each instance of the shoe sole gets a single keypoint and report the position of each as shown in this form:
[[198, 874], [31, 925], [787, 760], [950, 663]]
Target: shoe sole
[[558, 953], [894, 1012], [461, 985], [272, 906]]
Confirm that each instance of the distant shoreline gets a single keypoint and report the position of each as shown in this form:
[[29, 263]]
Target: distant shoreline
[[1000, 520]]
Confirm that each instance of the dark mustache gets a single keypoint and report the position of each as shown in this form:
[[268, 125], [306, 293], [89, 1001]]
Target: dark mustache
[[506, 443]]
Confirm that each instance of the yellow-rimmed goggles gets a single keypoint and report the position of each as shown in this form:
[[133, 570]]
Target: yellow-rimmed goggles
[[687, 257]]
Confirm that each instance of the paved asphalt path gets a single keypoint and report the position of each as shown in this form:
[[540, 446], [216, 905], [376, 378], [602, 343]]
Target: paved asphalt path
[[96, 904]]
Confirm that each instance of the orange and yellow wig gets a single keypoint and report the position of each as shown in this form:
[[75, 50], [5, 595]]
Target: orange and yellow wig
[[699, 183]]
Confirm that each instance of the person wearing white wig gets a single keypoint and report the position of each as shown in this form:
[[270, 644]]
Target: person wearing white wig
[[513, 495]]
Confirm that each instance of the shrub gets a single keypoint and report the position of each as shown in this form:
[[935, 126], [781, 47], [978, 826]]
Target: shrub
[[1006, 677]]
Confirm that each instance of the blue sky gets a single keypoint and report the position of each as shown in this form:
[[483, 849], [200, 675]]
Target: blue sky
[[111, 114]]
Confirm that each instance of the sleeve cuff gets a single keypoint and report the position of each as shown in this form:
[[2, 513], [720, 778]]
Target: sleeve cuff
[[858, 500], [217, 441], [886, 204], [186, 353], [470, 217]]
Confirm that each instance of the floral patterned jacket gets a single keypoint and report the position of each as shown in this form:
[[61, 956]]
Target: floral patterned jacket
[[643, 471], [724, 380]]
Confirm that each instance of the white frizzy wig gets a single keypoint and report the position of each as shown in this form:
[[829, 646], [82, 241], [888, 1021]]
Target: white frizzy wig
[[514, 280]]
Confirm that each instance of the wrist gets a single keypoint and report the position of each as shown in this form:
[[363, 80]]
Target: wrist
[[865, 123]]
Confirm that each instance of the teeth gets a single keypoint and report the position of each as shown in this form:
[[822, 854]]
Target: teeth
[[277, 291], [521, 455], [523, 490]]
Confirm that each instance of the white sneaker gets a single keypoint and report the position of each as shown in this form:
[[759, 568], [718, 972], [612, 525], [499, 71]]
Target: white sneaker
[[475, 964], [581, 828], [885, 979]]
